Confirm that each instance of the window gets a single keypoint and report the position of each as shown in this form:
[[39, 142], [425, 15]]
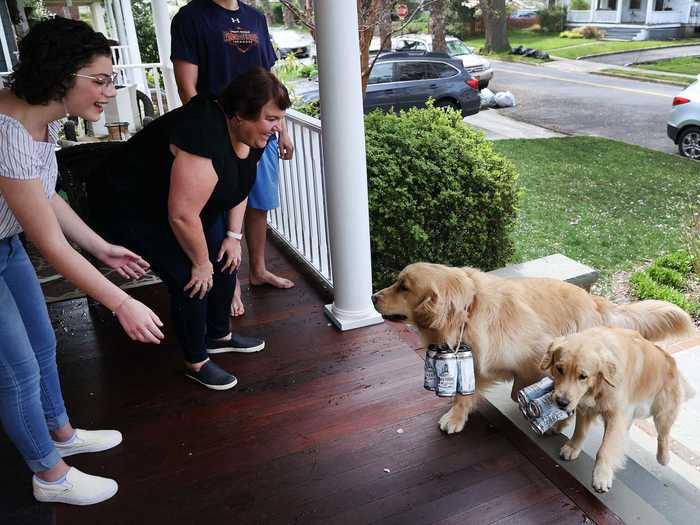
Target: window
[[442, 70], [412, 71], [382, 72], [662, 5], [410, 45], [635, 4], [607, 5]]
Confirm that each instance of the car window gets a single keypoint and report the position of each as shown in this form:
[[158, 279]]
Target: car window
[[442, 70], [410, 45], [455, 47], [412, 71], [381, 72]]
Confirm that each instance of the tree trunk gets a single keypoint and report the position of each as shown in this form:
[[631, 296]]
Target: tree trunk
[[385, 24], [495, 26], [369, 12], [288, 18], [437, 15]]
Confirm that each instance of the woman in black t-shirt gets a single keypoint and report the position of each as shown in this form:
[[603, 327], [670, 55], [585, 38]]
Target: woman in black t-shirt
[[177, 190]]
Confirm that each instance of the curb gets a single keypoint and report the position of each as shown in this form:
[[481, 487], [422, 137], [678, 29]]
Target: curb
[[640, 79], [584, 57]]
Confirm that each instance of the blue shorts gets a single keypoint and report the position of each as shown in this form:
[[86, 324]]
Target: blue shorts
[[265, 192]]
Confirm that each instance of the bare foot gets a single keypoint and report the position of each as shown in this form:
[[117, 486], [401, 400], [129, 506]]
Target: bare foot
[[237, 308], [270, 278]]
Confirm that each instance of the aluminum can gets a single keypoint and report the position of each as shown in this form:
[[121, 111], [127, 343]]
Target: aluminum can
[[532, 392], [542, 406], [429, 375], [540, 425], [446, 372], [466, 380]]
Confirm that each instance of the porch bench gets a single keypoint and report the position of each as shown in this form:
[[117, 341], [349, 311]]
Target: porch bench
[[555, 266]]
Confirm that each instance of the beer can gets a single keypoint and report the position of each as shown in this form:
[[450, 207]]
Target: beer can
[[446, 371], [529, 393], [541, 424], [429, 375], [466, 380], [542, 405]]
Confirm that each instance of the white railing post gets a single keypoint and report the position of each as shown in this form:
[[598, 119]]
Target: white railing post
[[343, 135], [161, 20], [649, 18], [594, 4], [133, 43], [97, 13]]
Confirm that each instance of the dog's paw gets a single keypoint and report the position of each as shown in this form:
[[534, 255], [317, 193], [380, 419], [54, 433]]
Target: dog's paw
[[602, 478], [568, 452], [453, 421], [663, 456]]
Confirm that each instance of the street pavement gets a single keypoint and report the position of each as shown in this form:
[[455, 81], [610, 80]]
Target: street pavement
[[572, 102]]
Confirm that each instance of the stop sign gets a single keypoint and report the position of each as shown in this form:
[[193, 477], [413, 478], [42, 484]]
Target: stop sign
[[402, 11]]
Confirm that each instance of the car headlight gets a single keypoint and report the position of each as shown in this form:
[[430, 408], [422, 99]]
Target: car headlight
[[487, 64]]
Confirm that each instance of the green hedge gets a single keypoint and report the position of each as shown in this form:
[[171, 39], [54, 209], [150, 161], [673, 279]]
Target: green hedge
[[668, 279], [438, 192]]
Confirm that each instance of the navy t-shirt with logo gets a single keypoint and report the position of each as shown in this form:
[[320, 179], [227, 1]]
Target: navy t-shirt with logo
[[222, 43]]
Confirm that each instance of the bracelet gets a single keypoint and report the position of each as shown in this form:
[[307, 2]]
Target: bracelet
[[234, 235]]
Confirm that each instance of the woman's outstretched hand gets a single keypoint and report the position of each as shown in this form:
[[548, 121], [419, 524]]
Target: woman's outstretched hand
[[125, 262], [138, 321]]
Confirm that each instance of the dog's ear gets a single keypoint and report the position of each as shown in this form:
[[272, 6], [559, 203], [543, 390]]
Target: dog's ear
[[608, 369], [447, 302], [548, 358]]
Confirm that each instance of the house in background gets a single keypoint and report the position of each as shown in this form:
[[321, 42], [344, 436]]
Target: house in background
[[636, 19]]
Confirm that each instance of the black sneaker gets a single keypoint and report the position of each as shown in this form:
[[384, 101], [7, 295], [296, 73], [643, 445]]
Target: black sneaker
[[213, 376], [237, 343]]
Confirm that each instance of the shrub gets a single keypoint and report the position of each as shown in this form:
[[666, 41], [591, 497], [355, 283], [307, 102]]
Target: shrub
[[580, 5], [438, 192], [592, 32], [313, 108], [552, 19], [667, 279]]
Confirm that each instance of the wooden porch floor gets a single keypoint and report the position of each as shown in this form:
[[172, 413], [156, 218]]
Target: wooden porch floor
[[305, 437]]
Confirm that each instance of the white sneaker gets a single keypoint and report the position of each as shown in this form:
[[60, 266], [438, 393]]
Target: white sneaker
[[89, 441], [77, 489]]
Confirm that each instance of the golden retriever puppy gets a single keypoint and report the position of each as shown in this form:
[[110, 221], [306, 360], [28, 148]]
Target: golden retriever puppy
[[509, 323], [620, 376]]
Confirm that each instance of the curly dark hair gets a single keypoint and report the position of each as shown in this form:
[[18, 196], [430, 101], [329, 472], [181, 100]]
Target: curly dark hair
[[250, 91], [50, 54]]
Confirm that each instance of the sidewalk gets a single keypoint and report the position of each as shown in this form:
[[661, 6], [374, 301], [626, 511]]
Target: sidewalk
[[587, 66], [499, 127]]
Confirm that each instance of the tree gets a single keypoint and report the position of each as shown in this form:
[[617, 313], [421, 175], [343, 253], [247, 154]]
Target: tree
[[266, 8], [437, 25], [385, 21], [145, 30], [495, 20]]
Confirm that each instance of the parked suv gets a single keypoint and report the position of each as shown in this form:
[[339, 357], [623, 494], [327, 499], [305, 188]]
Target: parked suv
[[684, 124], [478, 66], [403, 80]]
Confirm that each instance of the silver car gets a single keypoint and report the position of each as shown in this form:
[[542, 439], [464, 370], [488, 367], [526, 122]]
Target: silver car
[[684, 124], [478, 66]]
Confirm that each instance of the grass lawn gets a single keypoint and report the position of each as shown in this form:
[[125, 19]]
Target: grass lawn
[[602, 202], [668, 79], [686, 65], [574, 48]]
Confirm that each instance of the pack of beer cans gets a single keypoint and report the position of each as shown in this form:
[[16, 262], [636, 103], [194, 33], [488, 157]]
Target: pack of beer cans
[[539, 407], [449, 371]]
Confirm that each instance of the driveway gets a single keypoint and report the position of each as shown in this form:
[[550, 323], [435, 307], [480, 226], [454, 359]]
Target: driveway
[[636, 57], [578, 103]]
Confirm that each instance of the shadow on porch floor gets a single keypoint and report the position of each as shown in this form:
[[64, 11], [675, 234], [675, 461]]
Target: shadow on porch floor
[[310, 435]]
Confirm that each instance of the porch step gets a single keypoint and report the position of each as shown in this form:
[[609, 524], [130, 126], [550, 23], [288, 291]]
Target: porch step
[[555, 266]]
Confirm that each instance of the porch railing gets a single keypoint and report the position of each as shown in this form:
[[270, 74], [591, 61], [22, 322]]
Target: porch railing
[[301, 219], [667, 17], [153, 74], [579, 16], [604, 16]]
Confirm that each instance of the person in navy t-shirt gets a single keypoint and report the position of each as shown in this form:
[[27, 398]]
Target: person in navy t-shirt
[[213, 41]]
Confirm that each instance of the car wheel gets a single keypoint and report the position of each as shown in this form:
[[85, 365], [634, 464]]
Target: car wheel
[[483, 84], [446, 103], [689, 143]]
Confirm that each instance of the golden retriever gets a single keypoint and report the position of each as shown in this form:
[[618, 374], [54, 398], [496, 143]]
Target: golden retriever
[[509, 323], [619, 375]]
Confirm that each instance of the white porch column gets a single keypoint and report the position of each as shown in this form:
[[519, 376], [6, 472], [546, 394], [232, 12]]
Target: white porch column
[[345, 164], [161, 19], [618, 14], [138, 76], [650, 12], [594, 5], [97, 12]]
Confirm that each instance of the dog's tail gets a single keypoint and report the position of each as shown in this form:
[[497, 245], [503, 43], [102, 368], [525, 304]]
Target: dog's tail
[[654, 320]]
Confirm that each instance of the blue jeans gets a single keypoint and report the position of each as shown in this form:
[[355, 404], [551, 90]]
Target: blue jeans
[[31, 403]]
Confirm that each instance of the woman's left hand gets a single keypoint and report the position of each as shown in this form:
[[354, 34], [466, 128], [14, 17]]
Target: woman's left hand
[[286, 147], [125, 262], [230, 253]]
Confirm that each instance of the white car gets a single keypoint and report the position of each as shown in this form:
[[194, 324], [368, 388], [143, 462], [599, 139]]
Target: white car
[[478, 66], [289, 41], [683, 126]]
